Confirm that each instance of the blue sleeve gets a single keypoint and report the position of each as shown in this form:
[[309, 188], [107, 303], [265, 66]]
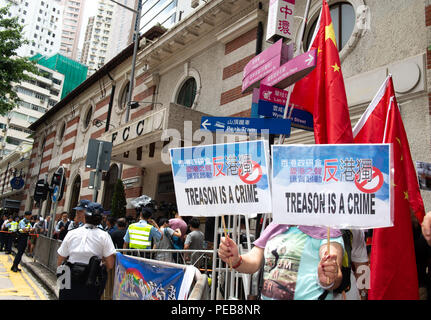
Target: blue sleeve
[[126, 237], [155, 234]]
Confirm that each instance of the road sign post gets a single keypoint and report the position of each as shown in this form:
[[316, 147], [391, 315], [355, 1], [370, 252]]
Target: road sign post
[[56, 195]]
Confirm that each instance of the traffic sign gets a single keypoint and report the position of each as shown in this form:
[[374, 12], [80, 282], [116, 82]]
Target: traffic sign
[[292, 71], [93, 153], [246, 125], [17, 183], [272, 102], [55, 194]]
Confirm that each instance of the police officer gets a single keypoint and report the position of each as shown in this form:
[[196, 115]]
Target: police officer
[[140, 234], [12, 228], [79, 219], [24, 229], [84, 248]]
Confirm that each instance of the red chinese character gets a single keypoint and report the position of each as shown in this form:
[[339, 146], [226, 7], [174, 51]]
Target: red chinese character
[[286, 10], [328, 169], [218, 166], [284, 26]]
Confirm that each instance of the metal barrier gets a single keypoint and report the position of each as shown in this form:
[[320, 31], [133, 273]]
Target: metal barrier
[[45, 252]]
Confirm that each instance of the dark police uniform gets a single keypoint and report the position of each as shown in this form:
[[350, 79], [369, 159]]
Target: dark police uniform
[[24, 228], [81, 246]]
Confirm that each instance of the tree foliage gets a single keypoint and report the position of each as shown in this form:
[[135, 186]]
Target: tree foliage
[[13, 69], [119, 202]]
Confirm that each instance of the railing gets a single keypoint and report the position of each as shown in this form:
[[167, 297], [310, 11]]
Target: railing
[[214, 287], [45, 252]]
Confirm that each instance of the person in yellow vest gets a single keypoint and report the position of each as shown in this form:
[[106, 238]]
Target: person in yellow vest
[[140, 234], [12, 228], [24, 229]]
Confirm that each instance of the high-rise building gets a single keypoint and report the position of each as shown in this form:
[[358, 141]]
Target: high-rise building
[[74, 72], [87, 40], [99, 36], [42, 21], [71, 27], [36, 96], [164, 12]]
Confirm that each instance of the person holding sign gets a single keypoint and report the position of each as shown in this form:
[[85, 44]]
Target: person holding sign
[[296, 261]]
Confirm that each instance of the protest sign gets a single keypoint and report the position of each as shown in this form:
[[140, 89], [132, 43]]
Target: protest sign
[[140, 279], [339, 186], [220, 179]]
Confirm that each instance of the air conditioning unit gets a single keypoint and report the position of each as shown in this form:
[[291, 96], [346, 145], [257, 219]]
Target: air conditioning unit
[[195, 3]]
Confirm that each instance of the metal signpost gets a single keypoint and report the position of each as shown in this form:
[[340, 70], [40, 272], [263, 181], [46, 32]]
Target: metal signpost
[[99, 158], [57, 187]]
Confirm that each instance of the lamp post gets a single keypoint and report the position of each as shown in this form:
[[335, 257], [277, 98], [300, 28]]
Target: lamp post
[[135, 50]]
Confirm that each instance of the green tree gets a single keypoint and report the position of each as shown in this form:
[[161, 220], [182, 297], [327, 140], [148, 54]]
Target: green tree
[[118, 204], [13, 69]]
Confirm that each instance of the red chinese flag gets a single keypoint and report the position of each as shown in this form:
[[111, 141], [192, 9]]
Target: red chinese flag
[[322, 92], [393, 262]]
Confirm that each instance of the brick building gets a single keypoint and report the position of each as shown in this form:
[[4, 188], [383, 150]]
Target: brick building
[[195, 68]]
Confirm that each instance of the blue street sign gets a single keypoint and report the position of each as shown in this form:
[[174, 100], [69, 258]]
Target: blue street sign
[[55, 194], [246, 125], [17, 183], [300, 118]]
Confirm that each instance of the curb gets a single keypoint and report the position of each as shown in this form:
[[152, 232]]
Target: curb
[[37, 270]]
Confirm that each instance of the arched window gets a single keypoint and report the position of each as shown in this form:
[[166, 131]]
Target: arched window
[[87, 118], [76, 189], [122, 101], [110, 181], [343, 19], [187, 93]]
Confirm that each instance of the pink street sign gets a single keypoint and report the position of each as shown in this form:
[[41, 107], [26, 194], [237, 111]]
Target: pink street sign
[[273, 95], [274, 50], [292, 71], [252, 79]]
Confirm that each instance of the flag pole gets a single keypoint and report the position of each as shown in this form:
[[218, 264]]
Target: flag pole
[[329, 246], [226, 236], [297, 51]]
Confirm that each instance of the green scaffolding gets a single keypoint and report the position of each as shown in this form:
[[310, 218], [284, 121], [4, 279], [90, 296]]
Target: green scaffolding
[[74, 72]]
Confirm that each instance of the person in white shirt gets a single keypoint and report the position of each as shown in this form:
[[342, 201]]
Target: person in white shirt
[[82, 247]]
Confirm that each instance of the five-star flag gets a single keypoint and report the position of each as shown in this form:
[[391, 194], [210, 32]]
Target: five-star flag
[[393, 264], [322, 92]]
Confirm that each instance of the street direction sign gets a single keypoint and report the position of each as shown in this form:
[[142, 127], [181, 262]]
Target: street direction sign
[[272, 102], [292, 71], [246, 125], [265, 63]]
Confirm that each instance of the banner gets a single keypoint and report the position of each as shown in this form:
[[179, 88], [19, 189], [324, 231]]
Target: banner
[[137, 279], [222, 179], [341, 186]]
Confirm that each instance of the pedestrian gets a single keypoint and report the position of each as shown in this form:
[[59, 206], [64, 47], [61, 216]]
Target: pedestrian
[[194, 240], [110, 224], [62, 226], [118, 234], [79, 218], [140, 234], [296, 262], [166, 242], [88, 252], [3, 234], [31, 239], [47, 225], [24, 229]]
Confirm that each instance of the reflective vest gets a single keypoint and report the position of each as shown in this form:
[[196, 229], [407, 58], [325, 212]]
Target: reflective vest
[[27, 225], [139, 236], [13, 226]]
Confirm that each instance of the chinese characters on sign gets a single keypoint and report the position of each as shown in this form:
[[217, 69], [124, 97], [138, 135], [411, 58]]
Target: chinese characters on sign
[[280, 19], [339, 186]]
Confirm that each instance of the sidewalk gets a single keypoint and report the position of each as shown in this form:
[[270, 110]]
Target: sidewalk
[[41, 273]]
